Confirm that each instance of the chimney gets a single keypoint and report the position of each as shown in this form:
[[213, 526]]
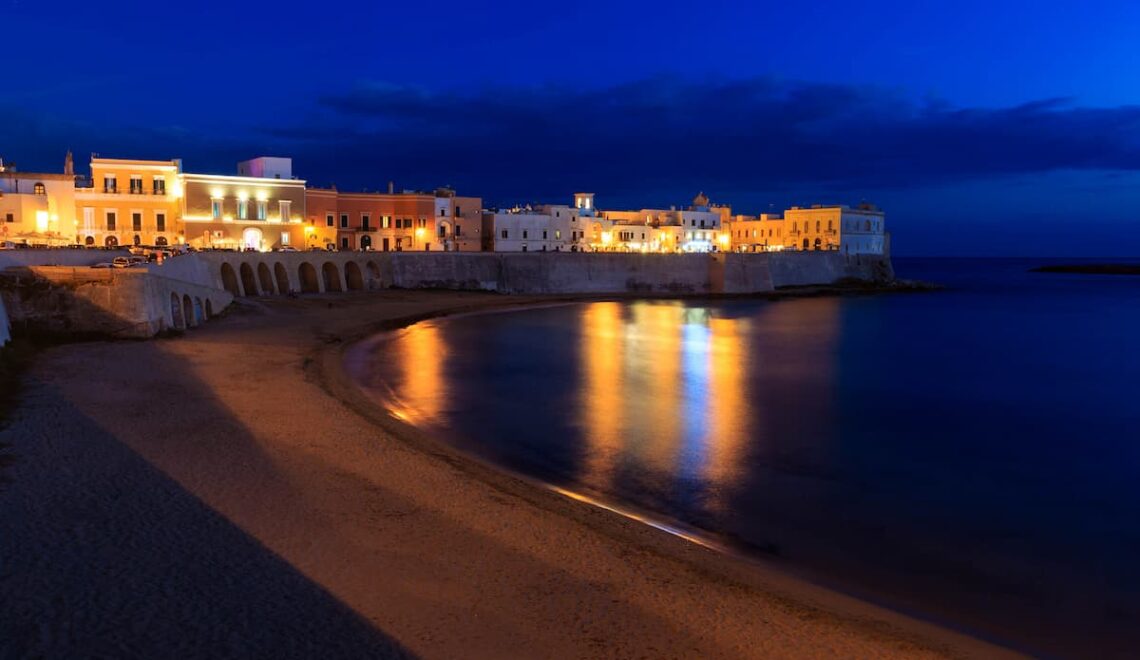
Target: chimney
[[391, 187]]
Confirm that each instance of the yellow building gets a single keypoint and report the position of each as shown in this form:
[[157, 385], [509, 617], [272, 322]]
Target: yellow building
[[37, 208], [129, 202], [859, 230]]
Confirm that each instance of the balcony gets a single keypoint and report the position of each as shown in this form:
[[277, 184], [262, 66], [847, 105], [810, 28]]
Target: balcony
[[366, 228]]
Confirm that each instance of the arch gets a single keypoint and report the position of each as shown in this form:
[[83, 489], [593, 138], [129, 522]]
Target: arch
[[353, 278], [209, 308], [229, 280], [282, 276], [188, 311], [265, 279], [818, 244], [331, 277], [308, 277], [39, 189], [160, 241], [111, 241], [199, 314], [366, 242], [90, 240], [807, 243], [247, 280], [251, 238], [177, 320], [137, 240]]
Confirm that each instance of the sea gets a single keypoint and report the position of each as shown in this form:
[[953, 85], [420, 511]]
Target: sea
[[969, 456]]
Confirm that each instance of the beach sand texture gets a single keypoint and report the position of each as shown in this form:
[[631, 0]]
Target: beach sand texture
[[229, 493]]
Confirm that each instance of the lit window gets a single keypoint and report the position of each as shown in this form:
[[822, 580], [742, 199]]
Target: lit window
[[159, 185], [109, 184], [216, 209], [136, 184], [284, 207], [385, 221], [39, 189], [262, 209], [284, 238], [243, 209]]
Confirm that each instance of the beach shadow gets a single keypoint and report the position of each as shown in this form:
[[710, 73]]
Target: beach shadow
[[102, 555]]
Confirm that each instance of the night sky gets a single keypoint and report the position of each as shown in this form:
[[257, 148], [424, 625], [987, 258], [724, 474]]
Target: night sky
[[981, 128]]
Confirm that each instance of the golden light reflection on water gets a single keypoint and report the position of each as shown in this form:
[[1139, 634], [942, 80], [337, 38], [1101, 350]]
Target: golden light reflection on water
[[665, 389], [423, 388]]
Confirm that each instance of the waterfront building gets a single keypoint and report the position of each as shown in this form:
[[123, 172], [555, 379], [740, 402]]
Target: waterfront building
[[857, 230], [129, 202], [697, 228], [763, 233], [37, 208], [546, 228], [261, 208], [404, 221]]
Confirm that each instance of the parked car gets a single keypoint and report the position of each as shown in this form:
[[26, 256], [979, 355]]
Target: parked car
[[135, 261], [285, 248], [121, 262], [105, 264]]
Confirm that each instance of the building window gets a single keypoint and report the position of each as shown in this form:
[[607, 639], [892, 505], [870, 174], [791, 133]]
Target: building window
[[442, 231], [109, 184], [385, 221], [525, 234], [110, 221], [365, 221], [216, 209], [344, 243], [88, 218], [284, 208], [243, 209], [39, 189], [330, 220], [136, 184], [457, 229], [136, 221], [9, 218], [284, 238], [159, 185], [458, 212], [544, 234], [160, 221], [442, 213], [504, 233], [262, 209], [344, 221]]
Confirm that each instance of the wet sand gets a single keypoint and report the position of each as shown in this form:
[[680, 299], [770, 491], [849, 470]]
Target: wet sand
[[231, 493]]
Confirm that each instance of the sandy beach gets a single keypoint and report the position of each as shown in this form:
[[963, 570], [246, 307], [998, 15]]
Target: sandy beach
[[230, 492]]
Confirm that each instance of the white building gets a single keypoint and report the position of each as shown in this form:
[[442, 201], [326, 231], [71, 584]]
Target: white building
[[36, 207], [546, 228]]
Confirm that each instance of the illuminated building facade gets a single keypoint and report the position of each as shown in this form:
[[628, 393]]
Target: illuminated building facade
[[37, 208], [404, 221], [262, 208], [859, 230], [763, 233], [129, 202], [548, 228], [695, 229]]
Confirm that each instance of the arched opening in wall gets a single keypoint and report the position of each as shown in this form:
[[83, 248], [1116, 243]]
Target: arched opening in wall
[[352, 277], [251, 239], [282, 276], [199, 313], [176, 318], [138, 240], [111, 241], [188, 311], [818, 244], [247, 281], [161, 241], [373, 275], [265, 278], [332, 277], [90, 240], [366, 242], [308, 277], [209, 308], [807, 244], [229, 280]]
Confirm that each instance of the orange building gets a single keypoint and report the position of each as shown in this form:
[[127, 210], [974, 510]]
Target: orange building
[[393, 221], [262, 208]]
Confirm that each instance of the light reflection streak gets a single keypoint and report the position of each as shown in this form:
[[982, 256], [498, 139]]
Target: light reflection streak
[[420, 352]]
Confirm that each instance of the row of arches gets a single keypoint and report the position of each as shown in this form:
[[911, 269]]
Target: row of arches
[[260, 279], [187, 312]]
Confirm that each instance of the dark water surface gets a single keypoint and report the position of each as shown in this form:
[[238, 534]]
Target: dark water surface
[[970, 455]]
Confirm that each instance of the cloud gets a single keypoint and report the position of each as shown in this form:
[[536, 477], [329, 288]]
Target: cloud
[[651, 141], [673, 134]]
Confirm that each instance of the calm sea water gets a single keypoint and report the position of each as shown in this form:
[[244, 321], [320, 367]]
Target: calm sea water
[[970, 455]]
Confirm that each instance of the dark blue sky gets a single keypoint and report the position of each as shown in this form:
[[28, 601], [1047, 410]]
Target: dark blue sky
[[980, 127]]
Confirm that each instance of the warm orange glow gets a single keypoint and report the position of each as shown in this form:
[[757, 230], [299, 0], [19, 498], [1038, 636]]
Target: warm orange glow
[[421, 352], [601, 406], [728, 425]]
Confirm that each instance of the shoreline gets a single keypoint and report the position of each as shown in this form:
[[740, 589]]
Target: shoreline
[[471, 560]]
